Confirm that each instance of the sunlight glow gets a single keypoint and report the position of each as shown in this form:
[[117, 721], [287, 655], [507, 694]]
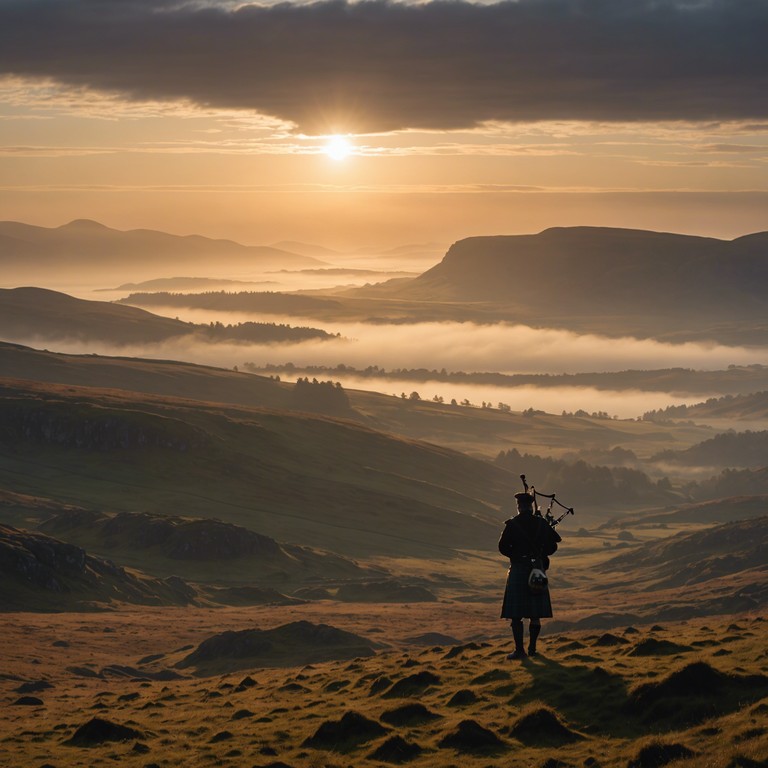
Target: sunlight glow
[[338, 148]]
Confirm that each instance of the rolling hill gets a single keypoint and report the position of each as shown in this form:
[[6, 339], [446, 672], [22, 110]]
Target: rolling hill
[[300, 479], [477, 431], [39, 313], [692, 558]]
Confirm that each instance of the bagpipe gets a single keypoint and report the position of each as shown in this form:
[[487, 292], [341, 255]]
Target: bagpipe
[[548, 516]]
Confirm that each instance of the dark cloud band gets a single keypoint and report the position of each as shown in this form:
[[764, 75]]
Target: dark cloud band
[[382, 65]]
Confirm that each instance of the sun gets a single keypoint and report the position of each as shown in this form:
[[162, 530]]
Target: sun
[[338, 148]]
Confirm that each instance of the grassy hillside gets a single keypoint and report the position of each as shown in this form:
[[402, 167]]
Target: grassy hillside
[[687, 559], [50, 316], [202, 550], [480, 432], [745, 407], [291, 476]]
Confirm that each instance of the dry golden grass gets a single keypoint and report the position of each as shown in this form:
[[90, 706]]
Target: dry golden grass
[[578, 700]]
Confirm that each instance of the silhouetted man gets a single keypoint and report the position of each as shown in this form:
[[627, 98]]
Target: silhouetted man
[[527, 540]]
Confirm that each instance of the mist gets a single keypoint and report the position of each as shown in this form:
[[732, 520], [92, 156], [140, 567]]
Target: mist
[[469, 347], [464, 346]]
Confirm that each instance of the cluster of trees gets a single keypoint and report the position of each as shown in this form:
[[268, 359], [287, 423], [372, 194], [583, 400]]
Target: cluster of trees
[[736, 379], [730, 482], [588, 483], [581, 413], [729, 449], [260, 333], [320, 396], [754, 404]]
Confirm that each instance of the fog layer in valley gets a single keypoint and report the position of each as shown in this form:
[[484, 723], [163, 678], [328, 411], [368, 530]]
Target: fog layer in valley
[[502, 347], [455, 347]]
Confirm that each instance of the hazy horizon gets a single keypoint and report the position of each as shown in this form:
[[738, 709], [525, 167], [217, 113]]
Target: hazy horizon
[[355, 124]]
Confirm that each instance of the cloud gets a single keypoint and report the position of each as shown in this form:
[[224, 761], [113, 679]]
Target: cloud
[[382, 65]]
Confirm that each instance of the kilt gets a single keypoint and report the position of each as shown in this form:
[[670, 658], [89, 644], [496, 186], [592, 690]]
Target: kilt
[[519, 601]]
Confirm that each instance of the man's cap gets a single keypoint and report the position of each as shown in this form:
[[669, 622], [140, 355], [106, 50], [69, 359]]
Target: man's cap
[[524, 498]]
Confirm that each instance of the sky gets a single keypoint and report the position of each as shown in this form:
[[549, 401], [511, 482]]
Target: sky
[[381, 123]]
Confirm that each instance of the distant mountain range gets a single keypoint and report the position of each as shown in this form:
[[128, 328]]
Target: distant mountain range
[[85, 244]]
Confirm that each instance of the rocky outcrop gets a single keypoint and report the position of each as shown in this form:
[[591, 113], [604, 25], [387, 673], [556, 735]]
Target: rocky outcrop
[[94, 428], [38, 572]]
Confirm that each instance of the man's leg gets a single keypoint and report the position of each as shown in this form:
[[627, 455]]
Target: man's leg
[[517, 634], [533, 629]]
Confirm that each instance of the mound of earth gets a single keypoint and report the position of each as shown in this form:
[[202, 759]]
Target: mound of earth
[[470, 737], [38, 572], [462, 698], [653, 647], [609, 639], [458, 650], [345, 734], [98, 731], [657, 754], [298, 643], [413, 685], [409, 714], [384, 592], [396, 750], [695, 693], [542, 727]]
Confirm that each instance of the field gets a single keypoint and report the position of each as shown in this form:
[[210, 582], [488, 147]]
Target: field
[[437, 692]]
